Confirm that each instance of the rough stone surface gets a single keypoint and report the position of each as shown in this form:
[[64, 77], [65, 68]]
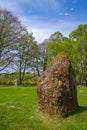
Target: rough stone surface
[[56, 91]]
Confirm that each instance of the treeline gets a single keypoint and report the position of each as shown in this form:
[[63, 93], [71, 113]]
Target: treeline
[[20, 52]]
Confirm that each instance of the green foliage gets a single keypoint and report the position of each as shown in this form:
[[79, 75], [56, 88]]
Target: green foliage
[[19, 111], [10, 79], [80, 31], [75, 48], [27, 55], [55, 48], [56, 37], [79, 52], [7, 82]]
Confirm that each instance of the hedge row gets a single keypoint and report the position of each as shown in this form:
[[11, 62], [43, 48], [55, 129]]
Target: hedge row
[[12, 82]]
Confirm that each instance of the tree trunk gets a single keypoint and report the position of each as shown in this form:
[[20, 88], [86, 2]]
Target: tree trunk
[[20, 74], [38, 71], [20, 79], [83, 75]]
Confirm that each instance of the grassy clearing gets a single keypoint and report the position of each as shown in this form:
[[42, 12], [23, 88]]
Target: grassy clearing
[[18, 111]]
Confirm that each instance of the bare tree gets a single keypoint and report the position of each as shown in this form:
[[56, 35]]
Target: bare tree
[[10, 32]]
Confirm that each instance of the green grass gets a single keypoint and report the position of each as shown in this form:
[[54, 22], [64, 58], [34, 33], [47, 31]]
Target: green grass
[[18, 111]]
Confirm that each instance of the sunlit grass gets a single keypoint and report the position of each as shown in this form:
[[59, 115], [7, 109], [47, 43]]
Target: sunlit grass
[[19, 111]]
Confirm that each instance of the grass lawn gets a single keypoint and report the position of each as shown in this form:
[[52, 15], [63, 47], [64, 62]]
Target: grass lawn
[[18, 111]]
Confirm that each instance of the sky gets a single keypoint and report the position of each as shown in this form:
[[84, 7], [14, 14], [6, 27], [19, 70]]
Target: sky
[[44, 17]]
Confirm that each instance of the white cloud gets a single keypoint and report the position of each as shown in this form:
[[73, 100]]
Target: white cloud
[[43, 4], [61, 13], [42, 29], [64, 14], [67, 14], [11, 6], [72, 9]]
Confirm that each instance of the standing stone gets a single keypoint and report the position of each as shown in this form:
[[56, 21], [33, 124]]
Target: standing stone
[[56, 91], [16, 82]]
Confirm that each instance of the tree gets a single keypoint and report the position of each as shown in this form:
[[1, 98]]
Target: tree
[[46, 51], [43, 54], [27, 53], [80, 58], [53, 45], [56, 37], [80, 31], [79, 52], [10, 31], [56, 46]]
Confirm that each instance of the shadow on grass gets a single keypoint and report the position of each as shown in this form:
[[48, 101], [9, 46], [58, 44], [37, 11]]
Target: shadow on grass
[[80, 109]]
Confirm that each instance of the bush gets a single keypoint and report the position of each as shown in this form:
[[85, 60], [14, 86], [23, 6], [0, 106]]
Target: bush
[[7, 82], [29, 82], [12, 82]]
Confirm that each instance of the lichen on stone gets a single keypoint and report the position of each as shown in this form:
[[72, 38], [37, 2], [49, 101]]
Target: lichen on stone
[[56, 90]]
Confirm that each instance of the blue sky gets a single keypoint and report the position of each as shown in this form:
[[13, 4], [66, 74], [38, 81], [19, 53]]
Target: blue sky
[[44, 17]]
